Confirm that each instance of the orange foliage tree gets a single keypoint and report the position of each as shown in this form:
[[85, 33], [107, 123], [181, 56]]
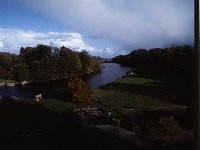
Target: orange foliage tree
[[77, 90]]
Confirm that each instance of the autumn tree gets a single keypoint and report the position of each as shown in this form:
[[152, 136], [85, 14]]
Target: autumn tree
[[77, 90]]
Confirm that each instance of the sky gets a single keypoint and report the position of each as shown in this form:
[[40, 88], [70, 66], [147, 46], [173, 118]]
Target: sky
[[104, 28]]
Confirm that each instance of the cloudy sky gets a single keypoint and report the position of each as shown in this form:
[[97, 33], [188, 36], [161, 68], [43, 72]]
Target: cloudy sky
[[103, 27]]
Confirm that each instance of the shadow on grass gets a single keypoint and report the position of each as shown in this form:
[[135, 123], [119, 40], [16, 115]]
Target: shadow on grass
[[20, 118], [63, 131], [31, 126], [180, 85], [20, 122], [58, 132]]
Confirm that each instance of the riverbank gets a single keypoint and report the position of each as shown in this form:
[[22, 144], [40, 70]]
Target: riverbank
[[4, 82], [127, 94]]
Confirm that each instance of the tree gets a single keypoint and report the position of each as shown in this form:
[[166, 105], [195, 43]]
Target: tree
[[44, 63], [41, 70], [165, 128], [85, 61], [64, 62], [74, 62], [22, 72], [7, 65], [77, 90], [70, 61]]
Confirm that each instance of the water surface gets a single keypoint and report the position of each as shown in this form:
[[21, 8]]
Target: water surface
[[109, 73]]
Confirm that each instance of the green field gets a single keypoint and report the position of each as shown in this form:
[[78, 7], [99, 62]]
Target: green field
[[133, 92]]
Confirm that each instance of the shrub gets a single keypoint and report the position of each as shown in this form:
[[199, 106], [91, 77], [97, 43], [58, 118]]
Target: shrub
[[163, 129], [127, 123]]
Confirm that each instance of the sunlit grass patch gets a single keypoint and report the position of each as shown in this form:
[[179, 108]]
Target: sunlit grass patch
[[7, 81], [135, 80]]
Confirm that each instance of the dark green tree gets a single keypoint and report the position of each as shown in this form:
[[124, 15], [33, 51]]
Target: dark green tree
[[85, 61], [22, 72]]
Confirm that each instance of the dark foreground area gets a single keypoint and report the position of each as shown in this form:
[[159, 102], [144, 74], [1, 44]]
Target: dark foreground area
[[31, 126]]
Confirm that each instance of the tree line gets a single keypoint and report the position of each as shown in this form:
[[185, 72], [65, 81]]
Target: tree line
[[44, 63], [173, 63], [158, 59]]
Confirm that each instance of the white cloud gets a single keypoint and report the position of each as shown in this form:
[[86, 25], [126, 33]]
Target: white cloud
[[11, 40], [109, 52], [1, 44], [132, 24]]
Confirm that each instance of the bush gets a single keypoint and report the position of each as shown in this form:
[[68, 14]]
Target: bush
[[127, 123], [164, 129]]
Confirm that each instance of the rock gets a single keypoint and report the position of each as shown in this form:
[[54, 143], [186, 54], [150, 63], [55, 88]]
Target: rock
[[10, 84], [24, 83], [38, 97]]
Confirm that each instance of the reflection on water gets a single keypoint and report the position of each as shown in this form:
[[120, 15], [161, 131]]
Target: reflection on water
[[109, 73], [29, 91]]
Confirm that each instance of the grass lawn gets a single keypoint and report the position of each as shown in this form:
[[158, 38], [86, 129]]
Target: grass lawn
[[7, 81], [59, 106], [133, 92]]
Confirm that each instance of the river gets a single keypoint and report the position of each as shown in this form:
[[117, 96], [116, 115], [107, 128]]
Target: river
[[109, 73]]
